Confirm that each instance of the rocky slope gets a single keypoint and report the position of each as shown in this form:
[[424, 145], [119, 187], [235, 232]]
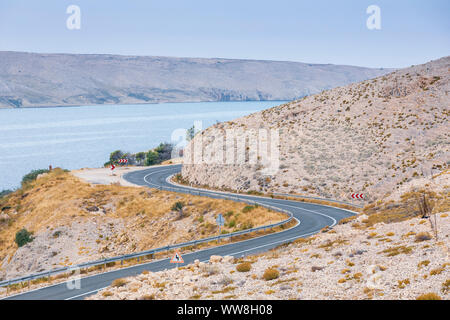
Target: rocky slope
[[375, 137], [31, 79], [402, 260]]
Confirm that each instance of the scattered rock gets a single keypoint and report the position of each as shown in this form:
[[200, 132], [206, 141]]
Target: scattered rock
[[215, 259]]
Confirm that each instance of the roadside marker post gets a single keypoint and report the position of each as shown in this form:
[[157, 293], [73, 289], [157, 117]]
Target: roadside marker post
[[220, 222]]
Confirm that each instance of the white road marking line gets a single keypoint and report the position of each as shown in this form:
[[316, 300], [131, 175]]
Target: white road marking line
[[86, 293], [212, 248]]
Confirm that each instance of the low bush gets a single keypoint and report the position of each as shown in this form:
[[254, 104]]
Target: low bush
[[118, 283], [30, 177], [23, 237], [107, 294], [232, 223], [247, 209], [422, 236], [270, 274], [244, 267]]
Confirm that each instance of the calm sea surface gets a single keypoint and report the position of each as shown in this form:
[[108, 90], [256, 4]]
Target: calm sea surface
[[77, 137]]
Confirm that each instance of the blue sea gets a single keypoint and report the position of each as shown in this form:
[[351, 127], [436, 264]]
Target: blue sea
[[78, 137]]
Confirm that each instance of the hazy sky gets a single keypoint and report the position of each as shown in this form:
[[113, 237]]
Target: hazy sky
[[314, 31]]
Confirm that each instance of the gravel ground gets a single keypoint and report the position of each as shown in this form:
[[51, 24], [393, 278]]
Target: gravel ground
[[344, 263]]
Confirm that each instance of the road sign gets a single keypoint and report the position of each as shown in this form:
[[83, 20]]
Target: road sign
[[177, 258], [357, 195], [112, 166], [123, 161], [220, 220]]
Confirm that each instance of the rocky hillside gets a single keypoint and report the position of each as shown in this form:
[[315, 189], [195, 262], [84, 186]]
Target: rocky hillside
[[72, 222], [402, 260], [31, 79], [377, 137]]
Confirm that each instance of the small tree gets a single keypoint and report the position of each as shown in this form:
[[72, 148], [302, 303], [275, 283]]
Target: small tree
[[178, 206], [130, 157], [140, 158], [152, 158], [190, 133], [164, 151], [23, 237]]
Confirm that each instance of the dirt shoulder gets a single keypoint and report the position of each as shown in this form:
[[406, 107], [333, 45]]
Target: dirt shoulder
[[106, 176]]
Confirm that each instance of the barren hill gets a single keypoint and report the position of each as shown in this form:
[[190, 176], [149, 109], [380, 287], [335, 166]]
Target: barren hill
[[375, 137], [32, 79]]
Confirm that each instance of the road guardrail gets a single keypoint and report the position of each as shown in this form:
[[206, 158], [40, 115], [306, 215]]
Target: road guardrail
[[138, 255]]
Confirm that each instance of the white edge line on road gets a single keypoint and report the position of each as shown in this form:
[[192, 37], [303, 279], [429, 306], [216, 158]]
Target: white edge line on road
[[244, 195], [150, 262], [219, 192]]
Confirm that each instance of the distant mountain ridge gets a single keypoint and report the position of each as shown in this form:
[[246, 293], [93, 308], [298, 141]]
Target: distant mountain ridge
[[34, 79]]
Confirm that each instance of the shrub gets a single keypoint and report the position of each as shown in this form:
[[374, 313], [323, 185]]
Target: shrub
[[115, 155], [423, 236], [23, 237], [178, 206], [271, 274], [107, 293], [393, 251], [423, 263], [247, 209], [429, 296], [118, 283], [229, 214], [244, 267], [30, 177]]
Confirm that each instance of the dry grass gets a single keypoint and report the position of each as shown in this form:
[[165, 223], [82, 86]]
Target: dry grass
[[393, 251], [429, 296], [410, 205], [270, 274], [119, 283], [59, 198], [224, 290], [244, 267]]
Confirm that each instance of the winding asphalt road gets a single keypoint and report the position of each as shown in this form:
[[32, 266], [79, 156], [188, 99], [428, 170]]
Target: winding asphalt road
[[311, 219]]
